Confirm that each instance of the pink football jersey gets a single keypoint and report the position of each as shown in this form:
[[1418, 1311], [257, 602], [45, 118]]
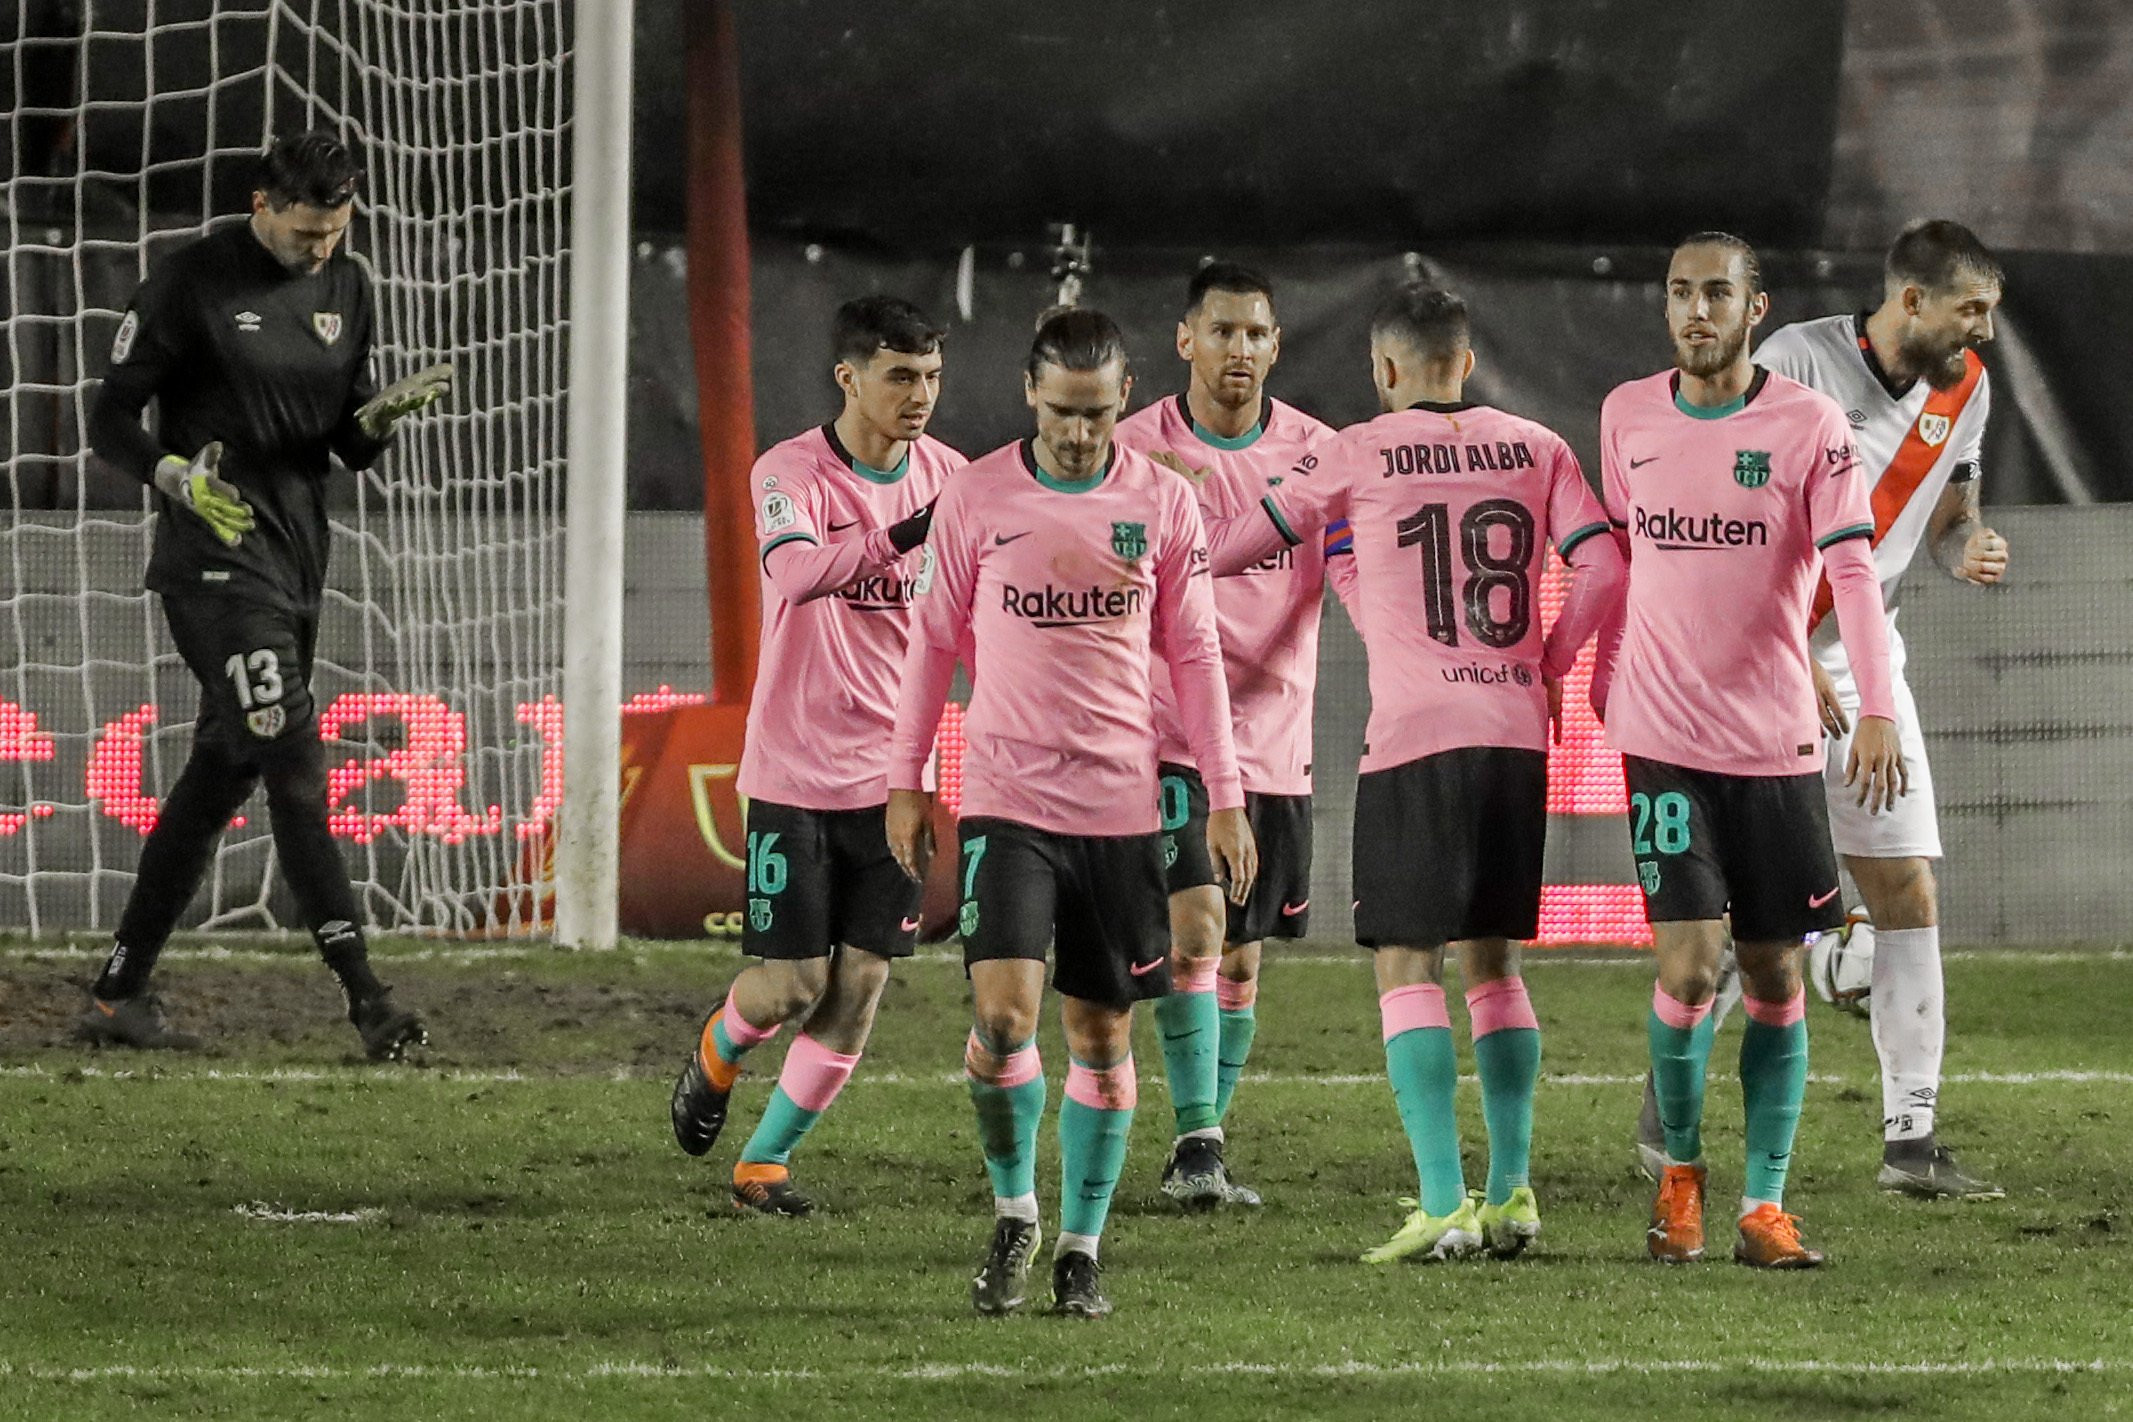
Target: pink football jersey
[[1452, 508], [836, 614], [1268, 616], [1726, 515], [1064, 594]]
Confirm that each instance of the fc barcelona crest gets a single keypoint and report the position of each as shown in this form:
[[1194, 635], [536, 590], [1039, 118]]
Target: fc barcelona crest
[[327, 324], [1933, 429], [1129, 540], [1751, 468]]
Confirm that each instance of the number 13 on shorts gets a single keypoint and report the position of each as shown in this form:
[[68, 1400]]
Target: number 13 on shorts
[[257, 676]]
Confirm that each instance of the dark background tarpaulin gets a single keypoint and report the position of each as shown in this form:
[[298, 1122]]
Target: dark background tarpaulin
[[1596, 120], [1539, 156], [1551, 335]]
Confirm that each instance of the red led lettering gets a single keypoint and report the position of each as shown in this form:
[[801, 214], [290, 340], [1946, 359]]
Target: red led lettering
[[428, 764], [21, 740]]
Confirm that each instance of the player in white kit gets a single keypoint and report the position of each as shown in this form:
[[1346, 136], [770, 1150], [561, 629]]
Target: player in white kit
[[1916, 395]]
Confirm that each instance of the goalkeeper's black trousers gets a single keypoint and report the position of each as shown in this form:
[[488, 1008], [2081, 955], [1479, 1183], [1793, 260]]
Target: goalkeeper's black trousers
[[257, 724]]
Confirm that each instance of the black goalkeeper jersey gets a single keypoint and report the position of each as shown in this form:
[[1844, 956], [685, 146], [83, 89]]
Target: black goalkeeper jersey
[[234, 346]]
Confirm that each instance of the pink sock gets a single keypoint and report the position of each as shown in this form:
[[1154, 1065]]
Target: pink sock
[[1776, 1014], [1111, 1088], [1676, 1013], [1233, 996], [1500, 1005], [1018, 1066], [739, 1030], [813, 1074], [1417, 1005], [1199, 975]]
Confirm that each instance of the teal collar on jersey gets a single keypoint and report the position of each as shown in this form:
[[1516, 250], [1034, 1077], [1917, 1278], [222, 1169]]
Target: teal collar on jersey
[[1064, 486], [1212, 440], [1719, 412], [866, 471]]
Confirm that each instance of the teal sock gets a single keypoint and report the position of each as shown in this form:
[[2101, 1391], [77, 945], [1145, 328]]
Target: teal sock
[[1007, 1131], [1191, 1030], [784, 1122], [722, 1042], [1680, 1057], [1508, 1061], [1425, 1075], [1092, 1152], [1773, 1083], [1239, 1026]]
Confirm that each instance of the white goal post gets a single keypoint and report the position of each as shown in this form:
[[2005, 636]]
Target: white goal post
[[135, 125]]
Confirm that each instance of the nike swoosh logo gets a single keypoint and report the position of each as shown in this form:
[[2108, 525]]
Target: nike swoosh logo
[[910, 925], [841, 527], [1001, 540], [1291, 910], [1817, 900], [1142, 970], [1640, 463]]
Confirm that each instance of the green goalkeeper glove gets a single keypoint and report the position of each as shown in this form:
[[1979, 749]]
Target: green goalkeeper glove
[[403, 398], [194, 485]]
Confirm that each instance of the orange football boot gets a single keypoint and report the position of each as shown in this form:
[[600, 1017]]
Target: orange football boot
[[1770, 1239], [1676, 1235]]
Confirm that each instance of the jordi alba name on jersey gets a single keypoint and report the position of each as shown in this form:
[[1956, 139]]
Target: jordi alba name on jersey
[[1453, 508]]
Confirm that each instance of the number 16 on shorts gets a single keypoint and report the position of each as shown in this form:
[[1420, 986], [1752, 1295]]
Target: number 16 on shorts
[[767, 874]]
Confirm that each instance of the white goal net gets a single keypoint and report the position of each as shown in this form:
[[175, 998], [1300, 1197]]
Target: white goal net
[[135, 126]]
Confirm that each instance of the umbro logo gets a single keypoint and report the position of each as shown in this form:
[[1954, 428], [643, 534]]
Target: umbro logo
[[1640, 463], [1001, 540], [248, 320], [1857, 417]]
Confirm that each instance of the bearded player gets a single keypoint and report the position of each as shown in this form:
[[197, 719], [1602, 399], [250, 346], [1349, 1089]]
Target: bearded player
[[1917, 397], [1735, 488], [1064, 566], [254, 343], [841, 512], [1240, 442], [1454, 506], [1910, 367]]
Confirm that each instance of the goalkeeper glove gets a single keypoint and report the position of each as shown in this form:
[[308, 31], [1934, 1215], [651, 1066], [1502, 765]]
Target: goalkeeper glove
[[403, 398], [194, 485], [907, 533]]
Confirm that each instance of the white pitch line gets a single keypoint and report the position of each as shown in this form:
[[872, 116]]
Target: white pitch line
[[468, 953], [957, 1372], [416, 1076], [265, 1213]]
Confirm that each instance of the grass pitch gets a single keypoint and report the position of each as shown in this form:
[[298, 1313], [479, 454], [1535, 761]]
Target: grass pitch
[[277, 1230]]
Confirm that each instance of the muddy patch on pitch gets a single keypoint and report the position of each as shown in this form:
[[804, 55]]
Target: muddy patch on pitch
[[495, 1017]]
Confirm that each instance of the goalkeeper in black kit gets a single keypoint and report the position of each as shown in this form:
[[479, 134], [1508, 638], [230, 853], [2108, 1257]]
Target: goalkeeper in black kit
[[255, 343]]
